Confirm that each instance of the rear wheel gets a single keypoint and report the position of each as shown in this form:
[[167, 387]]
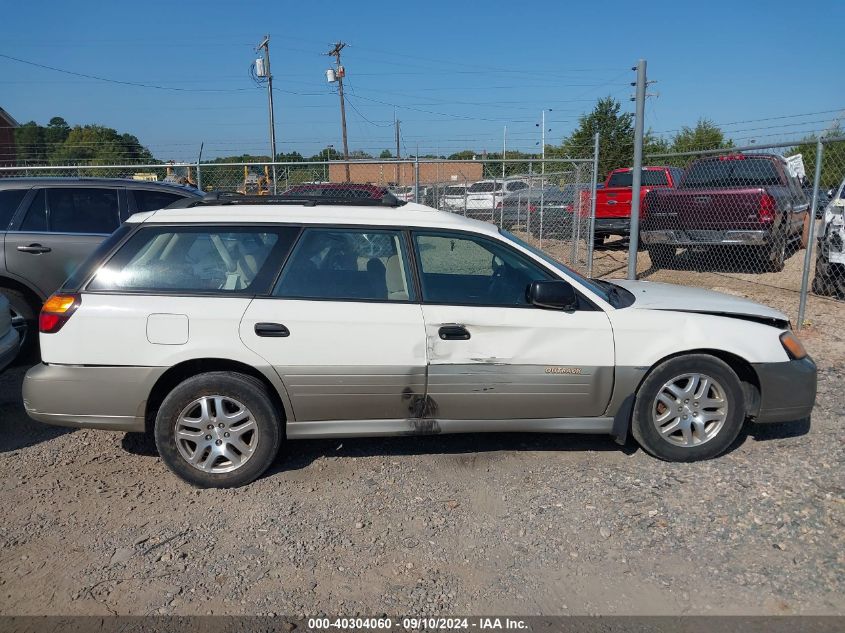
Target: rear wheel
[[25, 321], [218, 430], [689, 408], [772, 257], [661, 255]]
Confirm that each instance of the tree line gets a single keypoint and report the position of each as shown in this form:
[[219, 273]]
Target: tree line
[[60, 143]]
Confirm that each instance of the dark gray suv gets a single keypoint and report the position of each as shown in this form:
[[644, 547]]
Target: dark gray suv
[[48, 226]]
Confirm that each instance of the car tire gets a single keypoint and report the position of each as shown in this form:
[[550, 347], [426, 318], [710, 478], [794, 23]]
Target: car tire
[[772, 257], [661, 255], [805, 231], [234, 446], [661, 431], [25, 319]]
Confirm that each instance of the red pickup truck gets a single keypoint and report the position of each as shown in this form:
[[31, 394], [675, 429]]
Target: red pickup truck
[[747, 205], [613, 201]]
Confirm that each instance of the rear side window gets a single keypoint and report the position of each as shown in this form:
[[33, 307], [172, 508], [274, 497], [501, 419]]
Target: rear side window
[[35, 219], [82, 210], [147, 200], [225, 259], [347, 265], [10, 200]]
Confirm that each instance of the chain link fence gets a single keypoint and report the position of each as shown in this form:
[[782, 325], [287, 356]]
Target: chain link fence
[[761, 222]]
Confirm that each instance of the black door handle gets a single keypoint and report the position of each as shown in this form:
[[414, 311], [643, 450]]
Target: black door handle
[[271, 329], [453, 332], [36, 249]]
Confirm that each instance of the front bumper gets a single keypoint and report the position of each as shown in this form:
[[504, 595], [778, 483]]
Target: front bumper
[[9, 347], [108, 398], [787, 390], [705, 237]]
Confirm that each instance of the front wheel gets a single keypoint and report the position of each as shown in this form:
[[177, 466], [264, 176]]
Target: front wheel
[[688, 409], [218, 430]]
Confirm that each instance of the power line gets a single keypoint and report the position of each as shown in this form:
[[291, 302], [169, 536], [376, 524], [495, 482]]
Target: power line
[[118, 81]]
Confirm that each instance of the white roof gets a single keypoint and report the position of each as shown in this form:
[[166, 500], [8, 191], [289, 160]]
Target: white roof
[[410, 214]]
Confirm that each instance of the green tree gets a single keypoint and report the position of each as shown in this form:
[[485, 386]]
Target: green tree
[[833, 159], [616, 137], [385, 153], [466, 154], [30, 143], [99, 144], [328, 153], [705, 135]]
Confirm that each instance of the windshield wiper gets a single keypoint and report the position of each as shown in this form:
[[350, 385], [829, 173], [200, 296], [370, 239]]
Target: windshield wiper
[[613, 295]]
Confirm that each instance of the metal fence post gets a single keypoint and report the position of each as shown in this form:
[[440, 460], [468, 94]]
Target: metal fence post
[[811, 237], [417, 177], [636, 180], [591, 245]]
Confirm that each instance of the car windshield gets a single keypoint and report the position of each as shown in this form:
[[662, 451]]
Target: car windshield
[[731, 171], [650, 178], [594, 287], [455, 191]]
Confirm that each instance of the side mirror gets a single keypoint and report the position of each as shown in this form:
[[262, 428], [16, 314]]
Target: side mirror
[[553, 295]]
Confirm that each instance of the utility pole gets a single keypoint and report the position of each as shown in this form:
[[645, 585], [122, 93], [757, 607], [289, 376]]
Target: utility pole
[[504, 150], [339, 73], [265, 46], [398, 166], [637, 174]]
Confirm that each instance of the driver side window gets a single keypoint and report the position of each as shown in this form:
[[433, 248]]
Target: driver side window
[[463, 269]]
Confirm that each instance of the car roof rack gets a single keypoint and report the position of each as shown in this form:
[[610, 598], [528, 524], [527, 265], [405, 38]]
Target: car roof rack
[[221, 198]]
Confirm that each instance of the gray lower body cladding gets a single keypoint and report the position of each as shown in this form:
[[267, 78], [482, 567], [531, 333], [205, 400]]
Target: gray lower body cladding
[[108, 398], [787, 390]]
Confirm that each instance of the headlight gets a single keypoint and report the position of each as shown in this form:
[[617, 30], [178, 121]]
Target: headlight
[[793, 346]]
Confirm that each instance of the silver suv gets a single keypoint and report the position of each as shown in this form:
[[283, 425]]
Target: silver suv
[[49, 226]]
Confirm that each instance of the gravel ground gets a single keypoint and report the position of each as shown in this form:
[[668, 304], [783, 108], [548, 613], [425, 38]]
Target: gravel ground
[[526, 524]]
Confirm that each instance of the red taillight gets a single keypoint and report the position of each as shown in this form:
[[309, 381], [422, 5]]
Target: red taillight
[[732, 157], [531, 208], [56, 312], [498, 205], [767, 208]]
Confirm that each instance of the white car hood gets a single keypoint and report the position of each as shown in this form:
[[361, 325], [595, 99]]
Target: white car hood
[[656, 296]]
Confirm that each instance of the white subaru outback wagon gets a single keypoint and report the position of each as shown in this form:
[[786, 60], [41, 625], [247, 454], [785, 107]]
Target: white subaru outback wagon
[[226, 328]]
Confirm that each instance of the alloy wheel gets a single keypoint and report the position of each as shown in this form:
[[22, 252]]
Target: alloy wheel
[[690, 410], [216, 434]]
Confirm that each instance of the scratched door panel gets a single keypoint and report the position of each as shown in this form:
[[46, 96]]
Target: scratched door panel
[[518, 363]]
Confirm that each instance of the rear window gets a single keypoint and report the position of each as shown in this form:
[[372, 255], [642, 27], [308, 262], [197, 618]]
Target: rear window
[[731, 172], [650, 178], [95, 259], [226, 260], [484, 187], [454, 191], [149, 200], [9, 202]]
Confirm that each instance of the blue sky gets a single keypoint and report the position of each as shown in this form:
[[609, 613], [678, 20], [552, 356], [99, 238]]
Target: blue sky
[[455, 73]]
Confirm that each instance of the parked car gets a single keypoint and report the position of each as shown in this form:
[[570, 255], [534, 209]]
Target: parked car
[[823, 200], [406, 194], [233, 332], [49, 226], [829, 278], [613, 197], [338, 190], [483, 196], [453, 198], [546, 211], [749, 205], [9, 339]]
